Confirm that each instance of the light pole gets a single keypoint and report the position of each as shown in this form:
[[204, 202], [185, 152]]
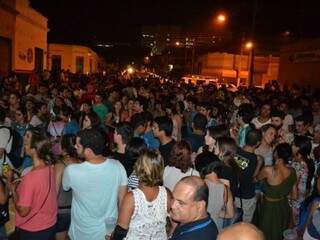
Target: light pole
[[254, 16], [248, 46]]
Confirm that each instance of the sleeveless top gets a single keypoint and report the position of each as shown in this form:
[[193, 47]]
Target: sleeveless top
[[282, 190], [148, 220], [216, 199], [64, 199]]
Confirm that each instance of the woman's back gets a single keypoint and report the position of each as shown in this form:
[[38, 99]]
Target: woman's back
[[148, 220], [279, 184], [216, 199], [37, 190]]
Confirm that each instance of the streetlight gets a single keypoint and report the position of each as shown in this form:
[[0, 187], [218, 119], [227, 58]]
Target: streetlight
[[249, 45], [177, 43], [221, 18], [130, 70]]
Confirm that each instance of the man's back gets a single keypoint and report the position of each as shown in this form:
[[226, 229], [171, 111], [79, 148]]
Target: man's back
[[95, 196], [201, 229], [248, 162]]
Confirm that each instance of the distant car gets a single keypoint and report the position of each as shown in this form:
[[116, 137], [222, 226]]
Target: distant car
[[199, 79], [229, 86]]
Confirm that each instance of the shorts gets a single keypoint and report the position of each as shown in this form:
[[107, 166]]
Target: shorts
[[46, 234], [63, 222]]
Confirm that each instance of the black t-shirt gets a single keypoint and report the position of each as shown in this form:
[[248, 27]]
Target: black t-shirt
[[125, 161], [249, 164], [165, 151], [231, 175], [204, 229], [196, 141]]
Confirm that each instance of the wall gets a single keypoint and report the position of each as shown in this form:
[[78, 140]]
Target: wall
[[31, 32], [226, 65], [68, 55], [27, 29], [7, 20], [7, 26], [295, 69]]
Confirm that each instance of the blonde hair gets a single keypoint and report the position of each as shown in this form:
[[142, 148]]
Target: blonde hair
[[149, 168]]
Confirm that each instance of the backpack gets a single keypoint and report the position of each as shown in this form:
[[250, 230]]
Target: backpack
[[4, 210], [15, 153]]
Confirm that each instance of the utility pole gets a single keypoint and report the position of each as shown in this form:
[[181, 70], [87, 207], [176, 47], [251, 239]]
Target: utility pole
[[251, 73], [193, 54], [240, 61]]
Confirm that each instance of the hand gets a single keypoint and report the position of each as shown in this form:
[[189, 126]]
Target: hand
[[225, 182], [234, 132], [107, 237], [8, 174], [193, 157]]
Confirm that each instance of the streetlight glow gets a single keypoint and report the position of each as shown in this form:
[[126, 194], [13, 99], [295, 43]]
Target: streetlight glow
[[177, 43], [221, 18], [249, 45], [130, 70]]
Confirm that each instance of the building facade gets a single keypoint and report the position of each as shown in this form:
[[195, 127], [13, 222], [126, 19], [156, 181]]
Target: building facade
[[23, 38], [229, 68], [300, 64], [76, 59]]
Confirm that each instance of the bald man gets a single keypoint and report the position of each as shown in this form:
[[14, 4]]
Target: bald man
[[241, 231], [189, 209]]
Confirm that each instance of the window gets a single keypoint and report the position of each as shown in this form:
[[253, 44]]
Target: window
[[79, 64]]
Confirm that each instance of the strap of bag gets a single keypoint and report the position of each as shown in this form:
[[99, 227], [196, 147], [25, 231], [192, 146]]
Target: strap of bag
[[45, 200], [225, 201]]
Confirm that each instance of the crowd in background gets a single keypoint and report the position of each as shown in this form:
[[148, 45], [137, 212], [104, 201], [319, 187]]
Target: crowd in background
[[94, 157]]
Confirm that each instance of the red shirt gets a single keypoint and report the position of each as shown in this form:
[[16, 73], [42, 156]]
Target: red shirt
[[38, 188]]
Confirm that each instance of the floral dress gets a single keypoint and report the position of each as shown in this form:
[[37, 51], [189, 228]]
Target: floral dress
[[301, 169]]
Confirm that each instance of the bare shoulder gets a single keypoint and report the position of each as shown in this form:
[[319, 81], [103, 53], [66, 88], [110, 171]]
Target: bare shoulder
[[266, 172], [58, 167], [128, 198], [267, 169]]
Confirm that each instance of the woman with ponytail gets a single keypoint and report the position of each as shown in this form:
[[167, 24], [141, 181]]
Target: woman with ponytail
[[35, 197], [277, 183], [304, 168]]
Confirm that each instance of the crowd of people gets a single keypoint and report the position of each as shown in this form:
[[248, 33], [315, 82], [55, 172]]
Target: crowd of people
[[91, 157]]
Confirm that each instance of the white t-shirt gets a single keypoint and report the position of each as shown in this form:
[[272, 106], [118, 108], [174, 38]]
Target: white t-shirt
[[5, 144], [259, 124], [288, 120], [172, 175], [95, 190], [35, 121], [56, 128]]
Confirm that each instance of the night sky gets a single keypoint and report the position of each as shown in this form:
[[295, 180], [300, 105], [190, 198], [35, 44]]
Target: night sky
[[121, 20]]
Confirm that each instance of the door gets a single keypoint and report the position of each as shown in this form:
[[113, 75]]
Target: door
[[90, 65], [79, 64], [56, 63], [38, 64], [5, 56]]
